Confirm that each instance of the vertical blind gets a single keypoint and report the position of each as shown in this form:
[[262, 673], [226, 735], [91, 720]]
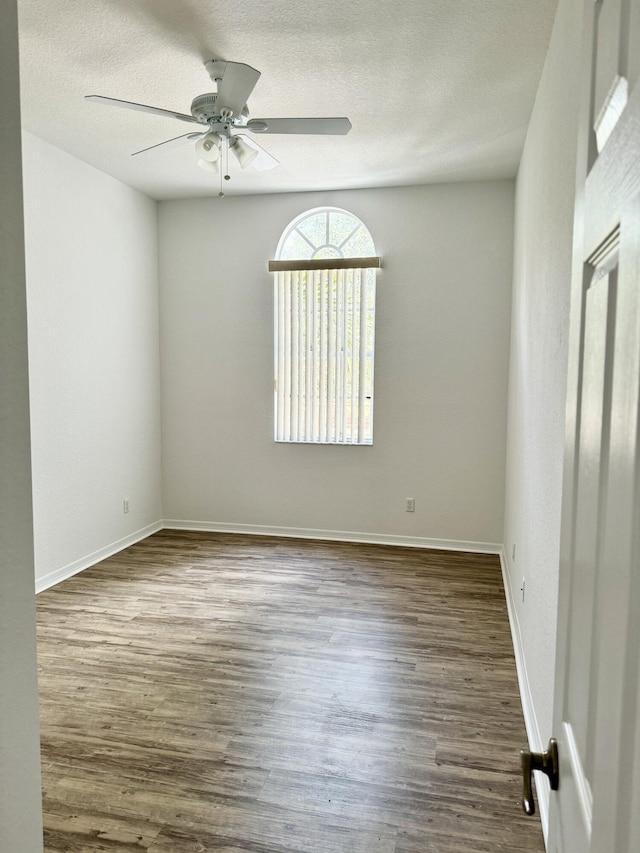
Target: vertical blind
[[324, 328]]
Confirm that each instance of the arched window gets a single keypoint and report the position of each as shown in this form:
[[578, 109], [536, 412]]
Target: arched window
[[324, 329], [325, 232]]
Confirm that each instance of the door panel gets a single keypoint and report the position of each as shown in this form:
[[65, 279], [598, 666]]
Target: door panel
[[597, 694], [592, 463], [617, 707]]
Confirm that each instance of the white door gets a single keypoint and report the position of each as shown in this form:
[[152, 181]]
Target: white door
[[597, 701]]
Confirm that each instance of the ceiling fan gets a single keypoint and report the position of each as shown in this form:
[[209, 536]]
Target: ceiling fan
[[223, 114]]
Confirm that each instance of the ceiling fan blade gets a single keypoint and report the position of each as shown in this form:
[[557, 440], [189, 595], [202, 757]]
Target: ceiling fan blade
[[171, 143], [337, 126], [235, 81], [143, 108], [264, 160]]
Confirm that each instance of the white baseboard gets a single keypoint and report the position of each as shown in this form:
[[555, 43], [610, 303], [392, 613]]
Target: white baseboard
[[61, 574], [334, 535], [528, 708]]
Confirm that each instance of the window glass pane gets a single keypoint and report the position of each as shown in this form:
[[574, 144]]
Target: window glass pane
[[327, 252], [359, 246], [315, 228], [341, 226], [295, 248]]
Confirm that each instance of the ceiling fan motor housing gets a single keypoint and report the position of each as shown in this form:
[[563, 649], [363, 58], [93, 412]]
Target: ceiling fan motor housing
[[204, 108]]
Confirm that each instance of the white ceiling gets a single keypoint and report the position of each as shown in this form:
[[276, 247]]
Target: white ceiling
[[436, 90]]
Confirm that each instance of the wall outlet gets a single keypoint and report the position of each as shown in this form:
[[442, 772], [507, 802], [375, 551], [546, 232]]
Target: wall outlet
[[522, 588], [409, 504], [125, 505]]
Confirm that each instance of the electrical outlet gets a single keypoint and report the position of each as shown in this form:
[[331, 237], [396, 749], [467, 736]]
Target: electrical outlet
[[522, 588], [409, 504], [125, 505]]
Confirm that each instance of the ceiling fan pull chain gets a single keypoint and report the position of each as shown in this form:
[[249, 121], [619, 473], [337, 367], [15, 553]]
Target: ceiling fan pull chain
[[223, 163]]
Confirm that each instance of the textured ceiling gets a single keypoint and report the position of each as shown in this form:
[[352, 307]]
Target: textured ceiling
[[436, 90]]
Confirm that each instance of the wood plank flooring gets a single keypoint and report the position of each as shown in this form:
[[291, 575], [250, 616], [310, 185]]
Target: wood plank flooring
[[213, 692]]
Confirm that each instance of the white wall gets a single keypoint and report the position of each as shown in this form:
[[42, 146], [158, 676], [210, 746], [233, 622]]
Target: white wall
[[20, 802], [442, 339], [537, 384], [93, 315]]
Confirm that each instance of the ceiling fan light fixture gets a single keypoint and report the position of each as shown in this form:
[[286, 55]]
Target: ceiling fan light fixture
[[209, 165], [245, 154], [208, 148]]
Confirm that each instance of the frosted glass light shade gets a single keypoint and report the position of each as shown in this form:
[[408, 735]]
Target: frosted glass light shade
[[245, 154], [209, 166], [208, 148]]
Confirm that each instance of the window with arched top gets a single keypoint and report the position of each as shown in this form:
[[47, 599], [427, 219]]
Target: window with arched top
[[325, 232], [324, 295]]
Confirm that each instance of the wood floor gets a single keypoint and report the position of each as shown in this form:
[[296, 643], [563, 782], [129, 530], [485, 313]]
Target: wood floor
[[206, 692]]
